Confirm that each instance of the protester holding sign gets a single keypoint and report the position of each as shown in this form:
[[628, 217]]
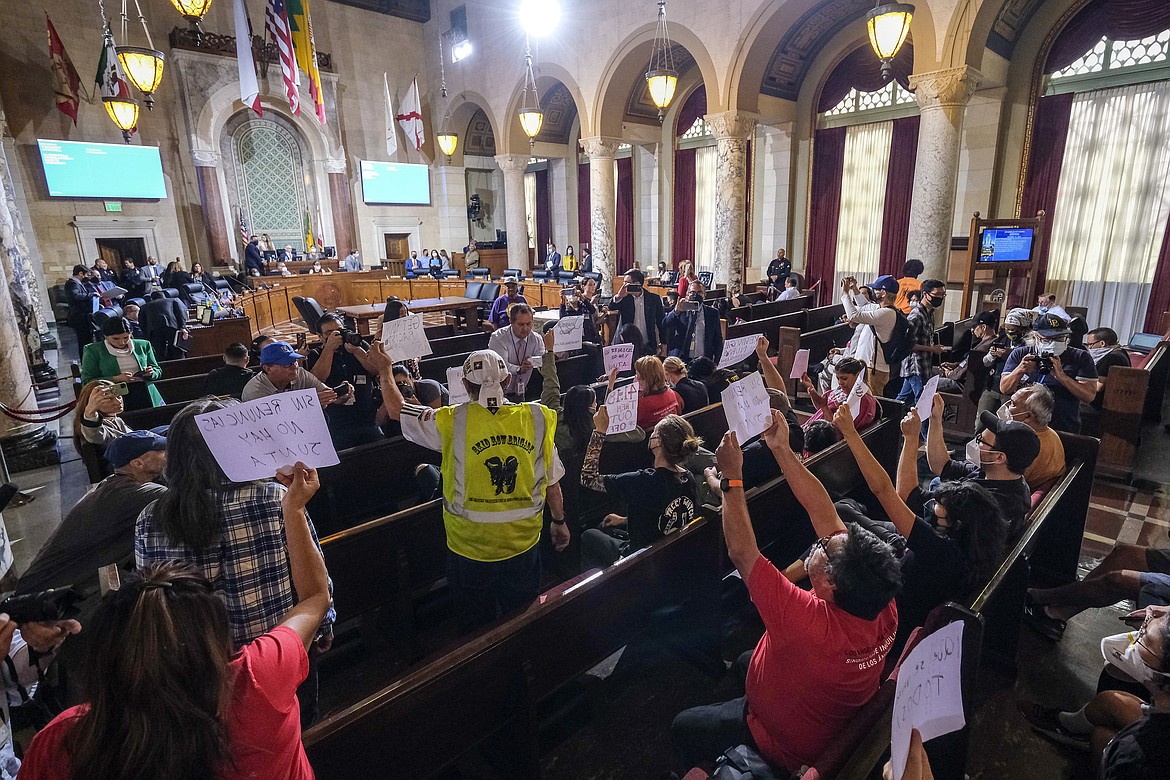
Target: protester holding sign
[[848, 372], [655, 398], [660, 500], [233, 532]]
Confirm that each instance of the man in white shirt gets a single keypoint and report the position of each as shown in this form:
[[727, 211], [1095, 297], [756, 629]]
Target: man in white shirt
[[790, 288], [517, 345], [879, 319]]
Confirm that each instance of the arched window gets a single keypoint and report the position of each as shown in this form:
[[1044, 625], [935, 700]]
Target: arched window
[[270, 180], [1109, 56]]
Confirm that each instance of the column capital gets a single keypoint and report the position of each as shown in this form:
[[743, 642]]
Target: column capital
[[738, 125], [601, 147], [335, 166], [512, 163], [947, 87], [205, 158]]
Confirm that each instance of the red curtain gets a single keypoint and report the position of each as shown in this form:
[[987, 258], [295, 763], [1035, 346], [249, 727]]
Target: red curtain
[[863, 70], [899, 194], [624, 233], [683, 228], [584, 216], [1049, 133], [1120, 20], [695, 107], [825, 207], [543, 218], [1160, 294]]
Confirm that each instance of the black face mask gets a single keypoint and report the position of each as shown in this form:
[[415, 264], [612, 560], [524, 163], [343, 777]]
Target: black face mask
[[696, 297], [934, 301]]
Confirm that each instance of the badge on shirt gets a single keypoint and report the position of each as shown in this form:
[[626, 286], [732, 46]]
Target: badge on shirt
[[359, 379]]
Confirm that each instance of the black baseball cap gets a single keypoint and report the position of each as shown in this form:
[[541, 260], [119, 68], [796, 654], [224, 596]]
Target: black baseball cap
[[1014, 439]]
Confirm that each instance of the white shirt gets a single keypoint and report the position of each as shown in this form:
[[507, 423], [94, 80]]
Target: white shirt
[[789, 293], [127, 362], [881, 320], [640, 315], [515, 351]]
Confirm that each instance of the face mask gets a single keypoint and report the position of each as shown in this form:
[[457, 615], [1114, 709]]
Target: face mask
[[1058, 348], [934, 301], [1005, 413], [1099, 352], [696, 297], [1121, 651], [973, 455]]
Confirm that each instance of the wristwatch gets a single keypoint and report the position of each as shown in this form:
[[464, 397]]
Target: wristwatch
[[557, 522], [726, 484]]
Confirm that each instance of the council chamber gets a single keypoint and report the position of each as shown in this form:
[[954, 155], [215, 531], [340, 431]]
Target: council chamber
[[765, 389]]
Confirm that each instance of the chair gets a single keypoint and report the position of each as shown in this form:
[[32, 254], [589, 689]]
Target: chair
[[566, 277], [193, 293], [451, 273], [482, 274], [107, 313], [514, 273], [489, 292], [594, 275], [540, 275], [473, 289], [139, 302], [310, 311], [171, 292], [222, 286]]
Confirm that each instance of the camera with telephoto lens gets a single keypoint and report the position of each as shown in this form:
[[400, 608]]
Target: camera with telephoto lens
[[51, 604], [1045, 363], [351, 338]]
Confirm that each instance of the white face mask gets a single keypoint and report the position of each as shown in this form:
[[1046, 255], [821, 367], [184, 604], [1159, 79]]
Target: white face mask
[[1122, 652], [1054, 348], [1005, 412], [1099, 352], [973, 455]]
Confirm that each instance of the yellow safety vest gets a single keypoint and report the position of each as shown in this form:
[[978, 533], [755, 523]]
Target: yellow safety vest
[[495, 471]]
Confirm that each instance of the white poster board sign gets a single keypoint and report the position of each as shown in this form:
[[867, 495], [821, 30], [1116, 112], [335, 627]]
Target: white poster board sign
[[622, 405], [746, 405], [455, 386], [854, 400], [568, 333], [737, 350], [929, 696], [536, 361], [799, 364], [404, 338], [619, 356], [253, 440], [926, 400]]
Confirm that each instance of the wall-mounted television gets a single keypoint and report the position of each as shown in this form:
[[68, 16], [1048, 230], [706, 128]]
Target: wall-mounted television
[[77, 169], [1005, 245], [395, 184]]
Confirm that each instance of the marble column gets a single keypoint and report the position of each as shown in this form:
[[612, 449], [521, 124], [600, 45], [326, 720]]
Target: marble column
[[207, 173], [513, 166], [942, 97], [339, 205], [451, 185], [14, 251], [603, 205], [731, 129]]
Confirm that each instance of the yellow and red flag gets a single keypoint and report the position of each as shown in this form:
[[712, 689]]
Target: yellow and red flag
[[66, 82], [301, 26]]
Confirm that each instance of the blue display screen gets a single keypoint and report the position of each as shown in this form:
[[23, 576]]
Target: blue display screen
[[397, 184], [76, 169], [1006, 245]]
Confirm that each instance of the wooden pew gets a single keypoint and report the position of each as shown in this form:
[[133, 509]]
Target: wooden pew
[[824, 316], [769, 327], [181, 389], [1130, 393], [427, 720], [818, 342], [760, 311], [192, 366], [141, 419]]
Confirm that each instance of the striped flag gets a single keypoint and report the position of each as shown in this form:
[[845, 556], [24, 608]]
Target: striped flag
[[276, 22], [301, 28], [244, 234], [249, 86]]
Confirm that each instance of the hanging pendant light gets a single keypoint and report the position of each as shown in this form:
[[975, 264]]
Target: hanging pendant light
[[888, 25], [531, 117], [661, 75], [124, 112], [446, 139], [193, 10], [143, 65]]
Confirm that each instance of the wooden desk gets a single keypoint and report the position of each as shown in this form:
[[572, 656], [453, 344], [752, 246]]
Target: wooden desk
[[213, 339], [364, 315]]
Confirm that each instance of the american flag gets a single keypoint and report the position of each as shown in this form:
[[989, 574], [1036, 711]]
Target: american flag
[[244, 234], [276, 23]]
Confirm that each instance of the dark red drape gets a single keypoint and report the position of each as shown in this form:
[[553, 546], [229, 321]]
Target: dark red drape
[[899, 194], [863, 70], [543, 218], [683, 231], [695, 107], [1119, 20], [1160, 294], [825, 207], [624, 231], [584, 217], [1049, 133]]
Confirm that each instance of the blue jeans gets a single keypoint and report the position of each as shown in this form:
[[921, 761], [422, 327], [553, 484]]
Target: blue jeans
[[483, 591], [911, 389]]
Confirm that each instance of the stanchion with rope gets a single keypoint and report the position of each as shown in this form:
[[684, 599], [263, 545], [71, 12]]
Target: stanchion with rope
[[30, 416]]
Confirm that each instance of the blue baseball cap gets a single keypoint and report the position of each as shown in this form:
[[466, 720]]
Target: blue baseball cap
[[887, 283], [133, 445], [279, 353]]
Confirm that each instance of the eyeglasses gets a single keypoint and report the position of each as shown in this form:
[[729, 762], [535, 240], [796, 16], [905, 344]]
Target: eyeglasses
[[1091, 343], [823, 542], [983, 442]]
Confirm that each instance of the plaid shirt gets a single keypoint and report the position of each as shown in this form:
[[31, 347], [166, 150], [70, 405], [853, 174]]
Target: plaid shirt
[[921, 331], [249, 564]]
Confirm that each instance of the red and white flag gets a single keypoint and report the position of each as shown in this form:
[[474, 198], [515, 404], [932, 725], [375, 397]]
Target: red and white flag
[[276, 22], [411, 116], [249, 86]]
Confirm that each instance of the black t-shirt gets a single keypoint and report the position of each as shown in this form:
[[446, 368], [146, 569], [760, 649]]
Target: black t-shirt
[[346, 368], [1078, 364], [1013, 495], [693, 394], [935, 570], [1117, 357], [660, 501], [1140, 751], [227, 380]]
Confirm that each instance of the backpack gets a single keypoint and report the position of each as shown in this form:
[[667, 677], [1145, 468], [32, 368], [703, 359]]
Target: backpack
[[742, 763], [900, 344]]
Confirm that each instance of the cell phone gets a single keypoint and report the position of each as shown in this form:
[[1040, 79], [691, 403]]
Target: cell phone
[[119, 388], [342, 390], [634, 288], [1133, 621]]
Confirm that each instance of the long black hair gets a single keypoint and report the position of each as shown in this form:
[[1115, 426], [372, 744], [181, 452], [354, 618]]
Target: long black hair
[[977, 526], [578, 413]]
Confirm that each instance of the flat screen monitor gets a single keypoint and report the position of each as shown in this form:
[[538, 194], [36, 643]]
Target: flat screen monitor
[[77, 169], [1006, 245], [396, 184]]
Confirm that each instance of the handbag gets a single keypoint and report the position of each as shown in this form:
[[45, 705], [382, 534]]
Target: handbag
[[742, 763]]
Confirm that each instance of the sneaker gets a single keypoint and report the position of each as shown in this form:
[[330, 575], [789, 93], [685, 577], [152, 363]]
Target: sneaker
[[1038, 619], [1044, 721]]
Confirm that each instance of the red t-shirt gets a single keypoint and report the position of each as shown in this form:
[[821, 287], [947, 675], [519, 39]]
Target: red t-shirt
[[652, 408], [264, 720], [815, 666], [865, 416]]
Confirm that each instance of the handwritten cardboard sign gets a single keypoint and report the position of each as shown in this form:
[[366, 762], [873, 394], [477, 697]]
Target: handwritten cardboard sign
[[799, 364], [737, 350], [622, 405], [455, 386], [253, 440], [929, 696], [746, 404], [568, 334], [926, 400], [619, 356], [854, 400], [404, 338]]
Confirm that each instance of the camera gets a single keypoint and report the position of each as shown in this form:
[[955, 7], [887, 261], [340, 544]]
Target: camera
[[351, 338], [51, 604], [1045, 362]]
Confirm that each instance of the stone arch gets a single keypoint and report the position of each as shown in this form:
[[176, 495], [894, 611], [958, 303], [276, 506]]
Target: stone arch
[[510, 138], [464, 107], [628, 64], [263, 168]]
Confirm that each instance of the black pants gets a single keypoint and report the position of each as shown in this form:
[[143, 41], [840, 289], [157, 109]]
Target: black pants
[[701, 734], [84, 336], [484, 591], [307, 693]]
